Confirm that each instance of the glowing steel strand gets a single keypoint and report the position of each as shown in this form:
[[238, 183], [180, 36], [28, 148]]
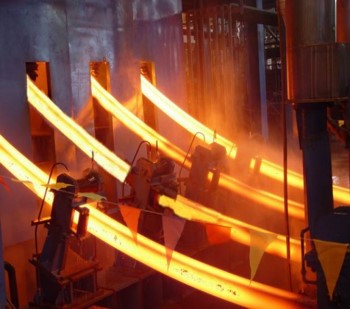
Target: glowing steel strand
[[275, 171], [189, 271], [262, 197], [176, 113], [239, 230], [224, 285], [134, 123], [140, 128], [68, 127], [63, 122], [23, 169], [266, 168], [341, 195]]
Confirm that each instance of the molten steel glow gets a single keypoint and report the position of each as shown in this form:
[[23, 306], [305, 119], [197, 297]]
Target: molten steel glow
[[189, 271], [104, 157], [240, 232], [192, 272], [245, 191], [141, 129], [196, 211], [267, 168], [261, 197], [275, 171], [341, 195], [23, 169], [184, 119], [132, 122]]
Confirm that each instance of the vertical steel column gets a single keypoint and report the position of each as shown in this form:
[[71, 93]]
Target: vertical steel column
[[314, 142], [262, 77], [309, 88], [188, 48], [198, 38]]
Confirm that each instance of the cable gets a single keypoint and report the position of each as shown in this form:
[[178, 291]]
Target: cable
[[188, 151], [92, 160], [285, 143]]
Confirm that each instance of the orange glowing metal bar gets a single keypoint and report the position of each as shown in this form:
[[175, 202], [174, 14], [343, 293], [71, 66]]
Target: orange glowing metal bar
[[188, 122], [68, 127], [226, 181], [132, 122], [23, 169], [194, 273], [267, 168], [96, 160], [187, 210], [275, 171], [239, 230], [189, 271], [341, 195], [140, 128]]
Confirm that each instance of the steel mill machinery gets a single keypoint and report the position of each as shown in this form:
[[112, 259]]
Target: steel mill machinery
[[148, 179], [65, 278], [318, 78], [205, 160]]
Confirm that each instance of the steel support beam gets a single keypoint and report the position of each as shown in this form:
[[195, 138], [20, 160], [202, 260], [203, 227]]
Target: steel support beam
[[314, 142]]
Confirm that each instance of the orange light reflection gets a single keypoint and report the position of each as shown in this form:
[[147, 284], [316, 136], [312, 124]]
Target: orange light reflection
[[189, 271]]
